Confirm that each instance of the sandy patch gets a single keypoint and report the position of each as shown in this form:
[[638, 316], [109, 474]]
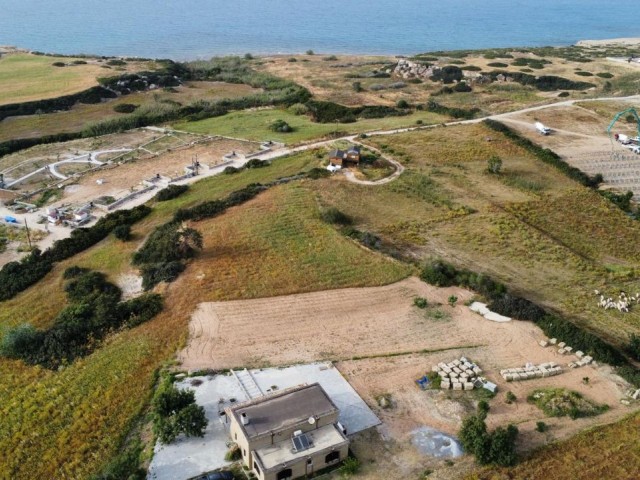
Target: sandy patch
[[130, 284]]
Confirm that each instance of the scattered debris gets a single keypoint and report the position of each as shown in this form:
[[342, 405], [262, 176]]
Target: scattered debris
[[482, 309]]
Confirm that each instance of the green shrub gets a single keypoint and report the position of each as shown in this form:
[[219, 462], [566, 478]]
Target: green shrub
[[122, 232], [584, 74], [420, 302], [233, 454], [115, 62], [292, 59], [541, 427], [336, 217], [175, 412], [471, 68], [563, 94], [350, 466], [510, 397], [170, 192], [494, 165], [454, 112], [231, 170], [357, 87], [402, 104], [125, 108], [330, 58], [154, 273], [280, 126], [497, 65], [298, 109], [448, 74], [125, 465], [604, 75], [559, 402], [310, 52], [59, 64]]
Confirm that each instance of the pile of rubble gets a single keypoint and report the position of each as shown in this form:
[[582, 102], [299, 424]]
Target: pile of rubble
[[529, 371], [458, 374]]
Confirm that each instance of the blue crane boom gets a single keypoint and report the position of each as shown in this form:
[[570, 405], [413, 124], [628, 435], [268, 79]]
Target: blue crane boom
[[629, 110]]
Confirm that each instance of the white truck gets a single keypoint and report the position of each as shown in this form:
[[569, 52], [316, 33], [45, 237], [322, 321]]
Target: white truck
[[542, 129]]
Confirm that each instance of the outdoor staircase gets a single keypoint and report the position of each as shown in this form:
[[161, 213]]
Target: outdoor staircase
[[248, 383]]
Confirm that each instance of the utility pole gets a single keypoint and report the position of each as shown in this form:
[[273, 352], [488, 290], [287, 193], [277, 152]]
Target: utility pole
[[28, 235]]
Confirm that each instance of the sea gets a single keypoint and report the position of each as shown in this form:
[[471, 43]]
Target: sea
[[196, 29]]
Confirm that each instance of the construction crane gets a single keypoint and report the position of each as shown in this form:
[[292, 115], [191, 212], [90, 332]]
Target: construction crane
[[631, 111]]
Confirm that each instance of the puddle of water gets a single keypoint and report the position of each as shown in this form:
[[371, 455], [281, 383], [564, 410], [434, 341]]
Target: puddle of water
[[437, 444]]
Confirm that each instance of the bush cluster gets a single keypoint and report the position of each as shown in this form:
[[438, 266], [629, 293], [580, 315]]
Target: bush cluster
[[328, 112], [94, 310], [544, 83], [91, 95], [448, 74], [497, 447], [175, 412], [125, 108], [454, 112], [17, 276], [171, 192]]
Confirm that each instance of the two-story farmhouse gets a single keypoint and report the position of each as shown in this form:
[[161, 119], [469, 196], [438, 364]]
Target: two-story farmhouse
[[289, 434]]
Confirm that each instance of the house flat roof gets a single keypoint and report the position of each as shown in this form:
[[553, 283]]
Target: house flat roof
[[282, 410], [323, 438]]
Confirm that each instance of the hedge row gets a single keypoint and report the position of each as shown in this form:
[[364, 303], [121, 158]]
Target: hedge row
[[544, 154], [18, 276], [91, 95], [442, 274], [454, 112], [171, 192], [328, 112], [544, 83], [10, 146]]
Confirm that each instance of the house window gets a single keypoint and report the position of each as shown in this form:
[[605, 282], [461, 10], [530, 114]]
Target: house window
[[332, 457], [256, 468], [309, 461], [244, 452], [235, 435], [285, 474]]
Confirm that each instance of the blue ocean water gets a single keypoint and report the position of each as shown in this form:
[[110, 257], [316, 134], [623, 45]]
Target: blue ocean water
[[187, 29]]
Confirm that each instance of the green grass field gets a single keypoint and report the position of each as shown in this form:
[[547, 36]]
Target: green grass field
[[254, 125]]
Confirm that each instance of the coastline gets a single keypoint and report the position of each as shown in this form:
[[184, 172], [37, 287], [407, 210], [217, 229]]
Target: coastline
[[622, 42], [608, 42]]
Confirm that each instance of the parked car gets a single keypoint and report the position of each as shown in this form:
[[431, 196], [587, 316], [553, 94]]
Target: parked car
[[222, 475]]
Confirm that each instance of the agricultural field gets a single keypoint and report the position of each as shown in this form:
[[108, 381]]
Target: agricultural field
[[26, 77], [80, 115]]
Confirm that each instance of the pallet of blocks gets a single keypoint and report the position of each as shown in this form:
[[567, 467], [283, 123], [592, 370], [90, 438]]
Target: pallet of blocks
[[459, 374], [530, 371]]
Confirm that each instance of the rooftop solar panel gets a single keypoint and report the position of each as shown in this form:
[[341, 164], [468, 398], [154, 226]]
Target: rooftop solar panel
[[300, 443]]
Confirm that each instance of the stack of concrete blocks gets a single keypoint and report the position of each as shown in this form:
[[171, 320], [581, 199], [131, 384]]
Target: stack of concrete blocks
[[458, 374], [531, 371], [583, 360]]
